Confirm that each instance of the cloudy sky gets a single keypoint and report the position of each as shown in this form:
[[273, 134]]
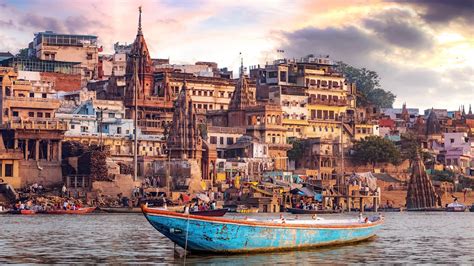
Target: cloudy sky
[[423, 50]]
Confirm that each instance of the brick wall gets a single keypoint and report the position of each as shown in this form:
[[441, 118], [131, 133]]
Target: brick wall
[[63, 82]]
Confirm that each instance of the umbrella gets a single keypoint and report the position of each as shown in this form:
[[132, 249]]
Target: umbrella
[[203, 197]]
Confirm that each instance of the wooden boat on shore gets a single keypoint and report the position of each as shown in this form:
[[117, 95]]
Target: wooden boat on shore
[[84, 210], [121, 210], [202, 234], [303, 211]]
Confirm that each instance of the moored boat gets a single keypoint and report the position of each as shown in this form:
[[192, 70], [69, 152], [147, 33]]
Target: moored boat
[[221, 235], [303, 211], [456, 207], [84, 210], [22, 212], [472, 208], [121, 210]]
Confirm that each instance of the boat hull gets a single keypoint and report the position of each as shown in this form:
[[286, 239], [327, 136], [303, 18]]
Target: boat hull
[[303, 211], [121, 210], [221, 235], [78, 211]]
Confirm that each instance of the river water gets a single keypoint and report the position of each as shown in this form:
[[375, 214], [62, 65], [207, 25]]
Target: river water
[[128, 238]]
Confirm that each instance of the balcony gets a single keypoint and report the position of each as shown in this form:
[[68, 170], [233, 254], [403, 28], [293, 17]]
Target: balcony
[[36, 124], [329, 102]]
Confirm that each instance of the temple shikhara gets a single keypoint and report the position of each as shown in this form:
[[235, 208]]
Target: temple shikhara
[[263, 136]]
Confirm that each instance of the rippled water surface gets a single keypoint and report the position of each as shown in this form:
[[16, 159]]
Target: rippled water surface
[[128, 238]]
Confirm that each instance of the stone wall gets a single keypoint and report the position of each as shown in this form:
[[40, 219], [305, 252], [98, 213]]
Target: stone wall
[[46, 173], [63, 82]]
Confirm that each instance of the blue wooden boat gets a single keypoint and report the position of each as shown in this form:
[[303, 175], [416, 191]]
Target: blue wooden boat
[[202, 234]]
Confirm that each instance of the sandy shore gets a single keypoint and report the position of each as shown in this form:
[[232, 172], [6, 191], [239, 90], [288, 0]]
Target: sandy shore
[[398, 198]]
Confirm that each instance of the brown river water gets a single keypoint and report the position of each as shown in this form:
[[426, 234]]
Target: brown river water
[[128, 238]]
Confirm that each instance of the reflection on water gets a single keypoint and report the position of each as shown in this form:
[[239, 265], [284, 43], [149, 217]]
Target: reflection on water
[[128, 238]]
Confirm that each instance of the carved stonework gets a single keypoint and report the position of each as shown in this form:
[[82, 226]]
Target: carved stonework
[[421, 193], [184, 141]]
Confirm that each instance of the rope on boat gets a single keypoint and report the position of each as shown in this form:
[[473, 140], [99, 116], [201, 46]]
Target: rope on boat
[[186, 240]]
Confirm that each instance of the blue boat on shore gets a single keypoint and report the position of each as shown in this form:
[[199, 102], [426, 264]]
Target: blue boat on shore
[[202, 234]]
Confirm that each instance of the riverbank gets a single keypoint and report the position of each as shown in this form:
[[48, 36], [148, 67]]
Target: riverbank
[[398, 198]]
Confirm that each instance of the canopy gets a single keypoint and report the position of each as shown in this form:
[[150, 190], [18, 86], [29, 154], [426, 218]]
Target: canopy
[[203, 197], [304, 191], [366, 178]]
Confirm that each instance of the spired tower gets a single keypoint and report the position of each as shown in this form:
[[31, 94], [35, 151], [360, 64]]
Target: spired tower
[[184, 141], [139, 61], [241, 100], [421, 193]]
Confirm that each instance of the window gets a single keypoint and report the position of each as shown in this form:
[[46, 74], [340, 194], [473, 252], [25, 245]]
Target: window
[[39, 114], [15, 113], [119, 130], [89, 56], [32, 94], [47, 115], [31, 114], [452, 140], [83, 129], [221, 140], [73, 126], [1, 168], [213, 140], [111, 115], [272, 74], [43, 95], [8, 170], [230, 141], [283, 76]]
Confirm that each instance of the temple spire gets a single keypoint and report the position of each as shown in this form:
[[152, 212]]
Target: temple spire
[[241, 65], [139, 21], [470, 110]]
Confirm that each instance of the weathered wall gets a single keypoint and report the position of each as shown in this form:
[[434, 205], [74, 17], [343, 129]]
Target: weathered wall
[[46, 173], [63, 82], [121, 184]]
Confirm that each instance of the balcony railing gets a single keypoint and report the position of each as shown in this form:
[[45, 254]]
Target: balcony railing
[[329, 102], [45, 124]]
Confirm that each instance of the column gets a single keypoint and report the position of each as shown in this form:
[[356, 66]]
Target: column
[[15, 144], [60, 152], [48, 150], [26, 148], [37, 142]]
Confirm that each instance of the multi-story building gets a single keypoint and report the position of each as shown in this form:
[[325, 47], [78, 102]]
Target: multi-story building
[[82, 49], [29, 125]]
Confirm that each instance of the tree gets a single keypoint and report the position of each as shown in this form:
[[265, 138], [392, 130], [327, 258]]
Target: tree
[[368, 86], [375, 149], [296, 152], [23, 53], [411, 146]]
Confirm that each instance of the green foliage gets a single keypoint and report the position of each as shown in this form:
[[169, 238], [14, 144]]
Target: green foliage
[[410, 146], [23, 53], [297, 151], [375, 149], [368, 86]]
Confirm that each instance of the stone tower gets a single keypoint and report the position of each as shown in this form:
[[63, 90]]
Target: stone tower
[[139, 61], [405, 115], [421, 193], [433, 126], [241, 100], [184, 141]]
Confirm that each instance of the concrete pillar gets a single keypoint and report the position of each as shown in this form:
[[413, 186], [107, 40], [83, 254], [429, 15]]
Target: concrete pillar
[[48, 150], [37, 146], [60, 152], [15, 144], [26, 148]]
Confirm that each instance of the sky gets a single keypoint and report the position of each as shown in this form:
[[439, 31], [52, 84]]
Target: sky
[[423, 50]]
